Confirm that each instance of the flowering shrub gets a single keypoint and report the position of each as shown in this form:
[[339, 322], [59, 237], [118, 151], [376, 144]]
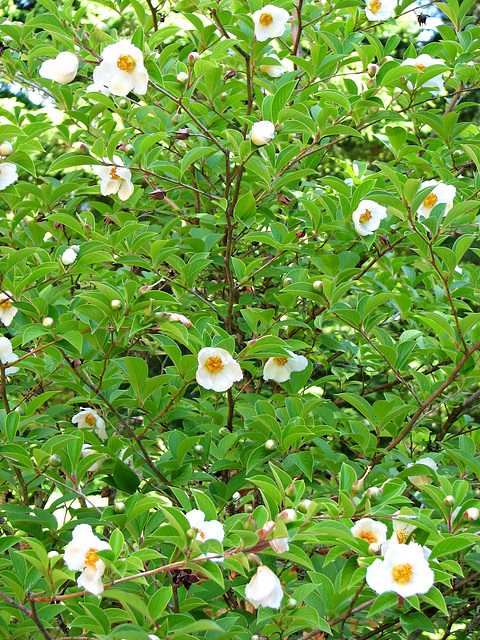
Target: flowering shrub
[[239, 366]]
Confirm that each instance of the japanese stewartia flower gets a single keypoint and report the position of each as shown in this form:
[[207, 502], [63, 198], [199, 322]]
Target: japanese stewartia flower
[[402, 530], [280, 369], [270, 22], [262, 132], [121, 69], [217, 370], [206, 529], [96, 87], [61, 69], [471, 514], [280, 545], [7, 310], [403, 570], [80, 555], [89, 419], [88, 451], [264, 589], [367, 217], [273, 70], [370, 530], [114, 178], [440, 194], [422, 62], [177, 317], [6, 148], [182, 77], [8, 174], [380, 9], [69, 256], [7, 355], [419, 481]]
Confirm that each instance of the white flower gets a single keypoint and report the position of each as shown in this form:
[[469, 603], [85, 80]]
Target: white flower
[[97, 88], [380, 9], [280, 545], [217, 369], [280, 369], [367, 217], [264, 589], [121, 69], [7, 310], [273, 70], [404, 570], [89, 419], [177, 317], [7, 355], [114, 178], [206, 530], [182, 77], [440, 194], [80, 555], [402, 530], [8, 174], [270, 22], [370, 530], [262, 132], [419, 481], [11, 358], [69, 256], [61, 69], [47, 237], [422, 62], [88, 451]]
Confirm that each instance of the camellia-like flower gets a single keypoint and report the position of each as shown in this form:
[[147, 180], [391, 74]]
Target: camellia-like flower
[[402, 530], [422, 62], [206, 529], [114, 178], [80, 555], [264, 589], [380, 9], [420, 481], [367, 217], [270, 22], [8, 174], [88, 451], [61, 69], [122, 69], [280, 369], [70, 255], [273, 70], [7, 355], [262, 132], [403, 570], [7, 310], [217, 370], [89, 419], [370, 530], [440, 194], [280, 545]]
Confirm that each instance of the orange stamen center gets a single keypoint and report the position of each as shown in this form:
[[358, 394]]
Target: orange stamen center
[[90, 420], [114, 175], [91, 558], [126, 63], [368, 536], [214, 364], [5, 304], [401, 536], [281, 361], [430, 201], [375, 6], [365, 217], [420, 67], [402, 573], [266, 19]]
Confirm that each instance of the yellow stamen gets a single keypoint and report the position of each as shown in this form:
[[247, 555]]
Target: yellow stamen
[[401, 537], [214, 364], [430, 201], [365, 217], [281, 361], [126, 63], [90, 420], [5, 304], [114, 175], [266, 19], [402, 573], [420, 66], [375, 6], [90, 558], [368, 536]]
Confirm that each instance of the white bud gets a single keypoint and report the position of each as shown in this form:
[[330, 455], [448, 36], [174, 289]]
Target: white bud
[[5, 148], [48, 322], [182, 77], [116, 304], [471, 514]]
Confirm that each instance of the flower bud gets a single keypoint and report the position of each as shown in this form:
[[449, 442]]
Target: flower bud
[[223, 431], [373, 493], [119, 507], [374, 549], [386, 59], [116, 304], [250, 524], [279, 126], [374, 110], [191, 534], [143, 289], [175, 118], [361, 562], [192, 58], [270, 445], [449, 501], [253, 559], [182, 77], [129, 150], [80, 147], [291, 491], [223, 95], [54, 460], [291, 604], [471, 514], [370, 83], [6, 148], [357, 487], [266, 530], [287, 515], [198, 449], [372, 70], [52, 554], [48, 322], [123, 104], [287, 282], [303, 505], [318, 286]]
